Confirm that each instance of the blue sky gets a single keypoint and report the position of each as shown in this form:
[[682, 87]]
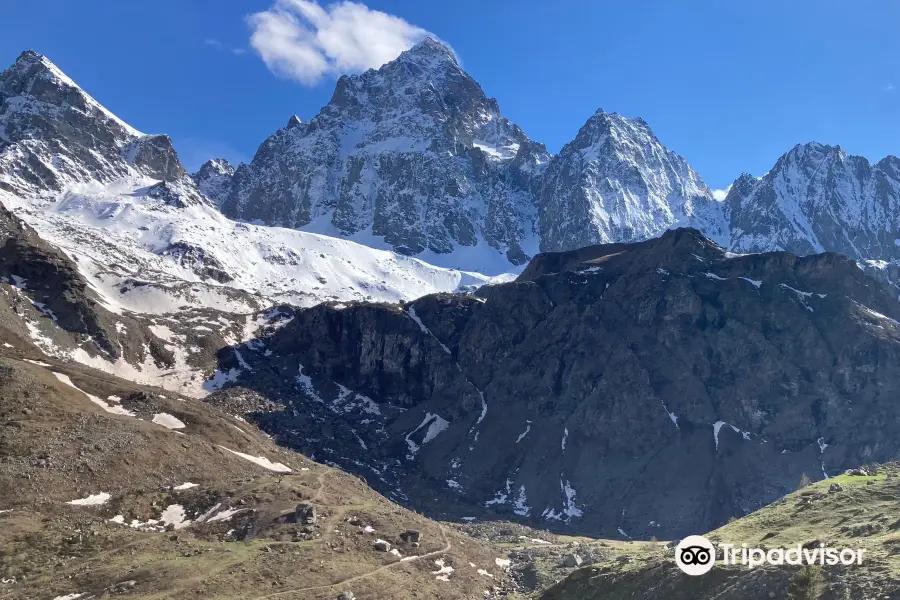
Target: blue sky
[[730, 85]]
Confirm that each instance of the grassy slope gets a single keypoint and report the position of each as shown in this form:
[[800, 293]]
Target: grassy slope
[[866, 514], [56, 445]]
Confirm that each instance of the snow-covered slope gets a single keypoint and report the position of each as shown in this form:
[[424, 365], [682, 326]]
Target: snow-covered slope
[[146, 255], [615, 182], [412, 156], [165, 278], [819, 198], [146, 235], [409, 159]]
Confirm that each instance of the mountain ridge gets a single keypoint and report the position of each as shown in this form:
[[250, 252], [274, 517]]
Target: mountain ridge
[[614, 182], [630, 389], [415, 158]]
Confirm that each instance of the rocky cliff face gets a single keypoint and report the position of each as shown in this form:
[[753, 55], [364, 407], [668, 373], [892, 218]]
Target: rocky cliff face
[[415, 157], [413, 153], [818, 198], [571, 397], [53, 134], [214, 179], [615, 182], [640, 389]]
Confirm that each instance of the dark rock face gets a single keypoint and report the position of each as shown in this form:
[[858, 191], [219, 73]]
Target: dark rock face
[[196, 259], [214, 179], [155, 156], [53, 279], [177, 195], [656, 388], [47, 280]]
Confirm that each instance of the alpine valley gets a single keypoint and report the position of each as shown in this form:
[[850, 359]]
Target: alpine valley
[[411, 318]]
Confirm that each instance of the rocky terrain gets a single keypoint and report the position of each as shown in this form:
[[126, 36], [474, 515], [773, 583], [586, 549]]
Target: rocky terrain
[[54, 134], [637, 380], [615, 182], [413, 153], [627, 390], [112, 489], [819, 198], [123, 262], [414, 157]]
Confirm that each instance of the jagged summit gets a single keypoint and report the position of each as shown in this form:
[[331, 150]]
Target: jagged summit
[[34, 76], [36, 64], [819, 198], [616, 182], [55, 134], [214, 179], [614, 131], [812, 151], [429, 51], [414, 155]]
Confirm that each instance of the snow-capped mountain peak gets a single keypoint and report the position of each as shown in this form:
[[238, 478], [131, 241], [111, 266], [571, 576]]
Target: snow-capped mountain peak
[[817, 198], [616, 182], [145, 238], [412, 156], [214, 179], [34, 76], [53, 134]]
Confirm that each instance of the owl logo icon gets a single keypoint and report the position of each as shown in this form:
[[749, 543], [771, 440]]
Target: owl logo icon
[[695, 555]]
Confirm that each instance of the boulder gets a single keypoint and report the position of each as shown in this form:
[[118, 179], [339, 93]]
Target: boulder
[[411, 535], [305, 513], [572, 561]]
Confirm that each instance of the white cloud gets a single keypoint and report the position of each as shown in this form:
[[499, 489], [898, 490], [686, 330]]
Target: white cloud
[[721, 194], [223, 46], [888, 88], [301, 40]]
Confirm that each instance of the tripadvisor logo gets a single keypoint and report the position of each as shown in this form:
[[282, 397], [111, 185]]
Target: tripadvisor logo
[[696, 555]]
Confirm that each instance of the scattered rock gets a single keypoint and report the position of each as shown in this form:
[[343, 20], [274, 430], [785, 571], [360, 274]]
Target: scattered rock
[[382, 545], [857, 472], [862, 529], [835, 487], [572, 561], [411, 535], [305, 513], [346, 596], [122, 586]]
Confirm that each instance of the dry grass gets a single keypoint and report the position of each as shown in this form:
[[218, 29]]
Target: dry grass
[[62, 447]]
